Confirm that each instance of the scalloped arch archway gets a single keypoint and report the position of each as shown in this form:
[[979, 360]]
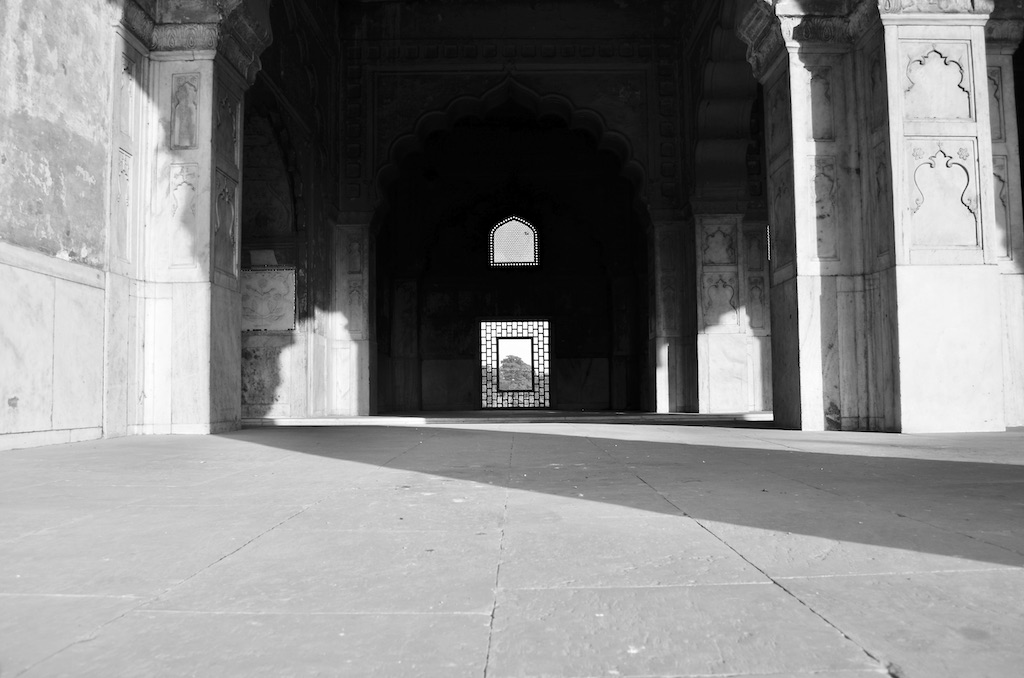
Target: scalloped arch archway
[[541, 106]]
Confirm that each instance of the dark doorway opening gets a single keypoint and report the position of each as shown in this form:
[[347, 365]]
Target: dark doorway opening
[[436, 282]]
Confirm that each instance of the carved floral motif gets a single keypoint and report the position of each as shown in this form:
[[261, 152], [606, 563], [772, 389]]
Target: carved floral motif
[[268, 299]]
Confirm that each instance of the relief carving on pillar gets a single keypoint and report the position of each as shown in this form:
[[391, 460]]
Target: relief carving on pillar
[[821, 105], [936, 6], [878, 105], [825, 192], [755, 302], [1001, 189], [122, 205], [782, 217], [881, 226], [938, 82], [185, 111], [268, 299], [183, 189], [126, 97], [780, 132], [226, 131], [225, 226], [995, 103], [355, 255], [719, 243], [719, 300], [668, 295], [944, 198], [355, 314]]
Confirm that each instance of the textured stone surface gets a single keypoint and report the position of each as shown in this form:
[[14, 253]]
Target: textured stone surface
[[515, 549]]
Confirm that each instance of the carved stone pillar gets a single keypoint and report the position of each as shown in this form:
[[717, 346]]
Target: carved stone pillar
[[1003, 34], [885, 296], [946, 231], [733, 351], [352, 349], [669, 350], [201, 59], [807, 67]]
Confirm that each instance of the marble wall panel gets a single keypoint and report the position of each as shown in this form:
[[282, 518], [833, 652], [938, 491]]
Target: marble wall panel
[[266, 375], [185, 110], [783, 216], [77, 356], [718, 241], [728, 372], [183, 188], [26, 350], [226, 349], [821, 104], [225, 224], [191, 317], [944, 196], [950, 380], [825, 189], [938, 80], [720, 299], [268, 299], [121, 324], [997, 125]]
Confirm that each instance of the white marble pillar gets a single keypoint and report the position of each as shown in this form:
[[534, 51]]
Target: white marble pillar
[[353, 351], [1002, 37], [806, 66], [192, 248], [946, 231]]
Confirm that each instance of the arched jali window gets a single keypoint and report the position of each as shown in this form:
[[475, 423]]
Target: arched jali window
[[513, 243]]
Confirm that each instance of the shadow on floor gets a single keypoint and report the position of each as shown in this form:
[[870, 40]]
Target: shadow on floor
[[879, 490]]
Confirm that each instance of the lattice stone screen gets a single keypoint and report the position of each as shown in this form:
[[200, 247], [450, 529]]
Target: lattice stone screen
[[513, 243], [495, 334]]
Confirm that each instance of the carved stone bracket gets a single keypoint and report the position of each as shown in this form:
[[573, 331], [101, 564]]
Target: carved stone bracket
[[766, 33], [761, 31], [240, 34], [1004, 34]]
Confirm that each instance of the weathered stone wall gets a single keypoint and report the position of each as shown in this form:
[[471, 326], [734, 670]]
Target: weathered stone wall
[[55, 80], [54, 125]]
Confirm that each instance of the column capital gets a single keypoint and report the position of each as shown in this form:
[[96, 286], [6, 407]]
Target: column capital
[[769, 30], [889, 7], [238, 30], [1005, 29]]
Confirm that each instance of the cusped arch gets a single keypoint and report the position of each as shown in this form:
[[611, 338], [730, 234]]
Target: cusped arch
[[540, 106]]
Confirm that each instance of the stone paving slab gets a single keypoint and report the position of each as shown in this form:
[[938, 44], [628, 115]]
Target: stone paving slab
[[298, 569], [515, 549], [157, 643], [665, 631]]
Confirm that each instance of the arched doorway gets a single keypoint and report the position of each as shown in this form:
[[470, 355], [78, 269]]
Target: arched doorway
[[435, 282]]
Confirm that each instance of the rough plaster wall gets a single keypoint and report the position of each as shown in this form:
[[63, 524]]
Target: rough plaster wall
[[55, 71]]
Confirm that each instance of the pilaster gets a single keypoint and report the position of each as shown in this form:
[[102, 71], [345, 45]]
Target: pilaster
[[353, 350], [186, 273], [733, 330], [1003, 34], [669, 350], [806, 63], [946, 232]]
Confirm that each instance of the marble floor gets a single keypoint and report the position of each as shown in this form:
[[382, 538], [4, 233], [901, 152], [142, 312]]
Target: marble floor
[[487, 548]]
